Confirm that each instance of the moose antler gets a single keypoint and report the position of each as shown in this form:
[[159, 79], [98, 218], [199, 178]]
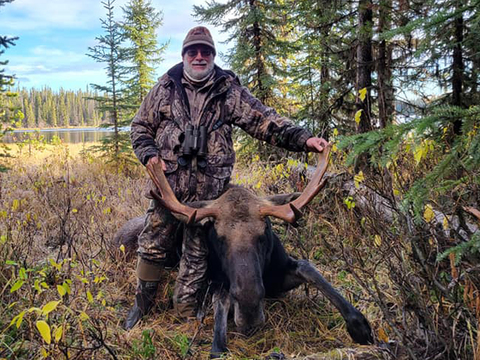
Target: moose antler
[[290, 212], [170, 201]]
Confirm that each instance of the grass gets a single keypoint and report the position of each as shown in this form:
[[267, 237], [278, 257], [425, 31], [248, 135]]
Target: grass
[[59, 212]]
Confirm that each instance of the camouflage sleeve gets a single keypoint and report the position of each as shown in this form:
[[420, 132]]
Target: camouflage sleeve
[[266, 124], [144, 127]]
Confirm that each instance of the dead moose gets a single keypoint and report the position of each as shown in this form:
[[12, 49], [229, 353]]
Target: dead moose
[[247, 261]]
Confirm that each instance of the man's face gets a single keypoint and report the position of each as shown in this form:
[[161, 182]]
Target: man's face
[[198, 61]]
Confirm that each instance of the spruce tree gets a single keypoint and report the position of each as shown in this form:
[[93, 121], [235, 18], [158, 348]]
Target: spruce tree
[[9, 115], [141, 21], [113, 98], [253, 27]]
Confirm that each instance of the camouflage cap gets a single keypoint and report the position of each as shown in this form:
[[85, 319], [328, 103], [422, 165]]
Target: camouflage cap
[[198, 35]]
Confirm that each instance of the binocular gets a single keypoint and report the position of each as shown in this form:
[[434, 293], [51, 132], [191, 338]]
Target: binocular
[[194, 144]]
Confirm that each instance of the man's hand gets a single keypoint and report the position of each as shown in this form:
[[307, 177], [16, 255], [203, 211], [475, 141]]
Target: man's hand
[[155, 160], [316, 144]]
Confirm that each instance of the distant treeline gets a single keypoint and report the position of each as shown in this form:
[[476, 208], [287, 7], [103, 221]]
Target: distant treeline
[[48, 108]]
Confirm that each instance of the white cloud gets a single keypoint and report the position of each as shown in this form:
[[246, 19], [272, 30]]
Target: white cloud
[[52, 14], [62, 30]]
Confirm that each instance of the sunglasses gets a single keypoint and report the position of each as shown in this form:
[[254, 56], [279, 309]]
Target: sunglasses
[[193, 53]]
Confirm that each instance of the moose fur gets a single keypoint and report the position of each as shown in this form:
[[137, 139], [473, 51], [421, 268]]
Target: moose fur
[[247, 262]]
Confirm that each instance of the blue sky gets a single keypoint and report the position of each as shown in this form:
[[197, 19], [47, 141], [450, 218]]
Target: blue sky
[[54, 37]]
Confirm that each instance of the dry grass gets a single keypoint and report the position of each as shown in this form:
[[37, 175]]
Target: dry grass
[[59, 211]]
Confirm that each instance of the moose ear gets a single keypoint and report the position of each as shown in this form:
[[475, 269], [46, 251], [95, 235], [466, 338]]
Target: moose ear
[[282, 198]]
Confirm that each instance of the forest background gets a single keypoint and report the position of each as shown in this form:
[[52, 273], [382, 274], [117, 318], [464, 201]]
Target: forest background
[[394, 85]]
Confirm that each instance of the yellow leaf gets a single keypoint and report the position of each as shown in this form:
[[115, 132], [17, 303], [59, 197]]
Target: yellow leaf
[[20, 319], [335, 132], [61, 290], [89, 297], [58, 333], [428, 215], [418, 154], [44, 330], [445, 223], [382, 335], [74, 211], [122, 248], [44, 352], [17, 320], [358, 116], [83, 316], [357, 179], [362, 93], [49, 307], [36, 309], [55, 265], [15, 205], [378, 240]]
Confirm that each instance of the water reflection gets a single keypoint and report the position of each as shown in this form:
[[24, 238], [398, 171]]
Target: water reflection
[[69, 136]]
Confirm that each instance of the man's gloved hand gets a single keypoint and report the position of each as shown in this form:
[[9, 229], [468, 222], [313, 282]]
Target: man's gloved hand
[[316, 144]]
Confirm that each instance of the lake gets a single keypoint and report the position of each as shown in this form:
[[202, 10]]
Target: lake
[[69, 136]]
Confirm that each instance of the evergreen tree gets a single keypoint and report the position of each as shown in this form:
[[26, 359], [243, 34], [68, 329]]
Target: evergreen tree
[[9, 115], [254, 30], [322, 69], [141, 21], [29, 114], [260, 49], [109, 51]]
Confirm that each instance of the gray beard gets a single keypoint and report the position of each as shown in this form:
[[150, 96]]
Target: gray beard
[[197, 75]]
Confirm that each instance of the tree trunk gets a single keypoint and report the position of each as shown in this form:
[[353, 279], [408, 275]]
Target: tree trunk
[[384, 70], [457, 78], [364, 75]]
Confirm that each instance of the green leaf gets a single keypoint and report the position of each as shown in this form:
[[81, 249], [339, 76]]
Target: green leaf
[[44, 330], [22, 274], [18, 284]]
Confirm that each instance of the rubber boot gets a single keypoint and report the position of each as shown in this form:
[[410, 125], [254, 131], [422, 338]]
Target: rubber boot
[[144, 300]]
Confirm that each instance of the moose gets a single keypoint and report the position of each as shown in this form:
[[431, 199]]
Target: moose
[[247, 262]]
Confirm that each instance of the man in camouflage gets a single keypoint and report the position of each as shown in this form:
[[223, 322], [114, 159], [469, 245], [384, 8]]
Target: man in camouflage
[[185, 122]]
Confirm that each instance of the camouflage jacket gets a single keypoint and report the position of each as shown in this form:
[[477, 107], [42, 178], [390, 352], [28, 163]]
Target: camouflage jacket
[[158, 129]]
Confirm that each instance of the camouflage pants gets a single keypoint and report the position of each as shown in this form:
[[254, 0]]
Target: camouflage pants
[[158, 243]]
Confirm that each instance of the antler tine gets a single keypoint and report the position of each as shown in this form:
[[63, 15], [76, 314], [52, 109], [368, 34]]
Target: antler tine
[[290, 212], [170, 201]]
